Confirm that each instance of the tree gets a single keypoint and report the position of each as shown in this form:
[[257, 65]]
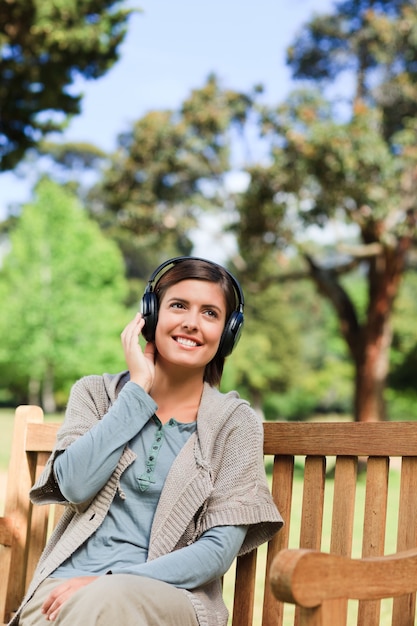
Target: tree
[[168, 169], [61, 286], [44, 48], [402, 393], [266, 361], [352, 165]]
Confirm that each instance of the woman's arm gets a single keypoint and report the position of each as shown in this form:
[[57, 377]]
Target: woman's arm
[[208, 558], [85, 466]]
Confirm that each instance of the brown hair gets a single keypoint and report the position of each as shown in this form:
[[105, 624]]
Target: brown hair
[[199, 269]]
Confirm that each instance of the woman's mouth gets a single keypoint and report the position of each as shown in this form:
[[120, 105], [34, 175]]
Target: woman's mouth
[[184, 341]]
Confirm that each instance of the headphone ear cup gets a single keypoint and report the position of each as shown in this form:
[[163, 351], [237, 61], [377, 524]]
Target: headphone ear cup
[[149, 309], [231, 334]]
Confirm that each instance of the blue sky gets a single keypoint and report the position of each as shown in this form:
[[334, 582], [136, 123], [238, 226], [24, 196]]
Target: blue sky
[[171, 47]]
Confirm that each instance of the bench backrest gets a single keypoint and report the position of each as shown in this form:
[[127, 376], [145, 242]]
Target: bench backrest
[[315, 481]]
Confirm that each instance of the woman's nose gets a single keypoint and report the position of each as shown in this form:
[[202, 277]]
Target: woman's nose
[[190, 321]]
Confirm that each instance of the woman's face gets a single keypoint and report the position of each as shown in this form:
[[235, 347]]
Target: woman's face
[[191, 319]]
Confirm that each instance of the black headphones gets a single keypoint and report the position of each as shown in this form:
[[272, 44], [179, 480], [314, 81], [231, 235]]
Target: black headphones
[[149, 307]]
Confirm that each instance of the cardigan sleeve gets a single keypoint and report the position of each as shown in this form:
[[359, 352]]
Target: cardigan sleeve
[[241, 494], [192, 566], [89, 401]]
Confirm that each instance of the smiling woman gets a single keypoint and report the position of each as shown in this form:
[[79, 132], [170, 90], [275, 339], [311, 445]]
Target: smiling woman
[[162, 474]]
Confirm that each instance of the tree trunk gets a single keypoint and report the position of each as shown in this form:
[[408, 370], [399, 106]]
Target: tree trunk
[[256, 402], [34, 390], [48, 398], [370, 378], [371, 349], [369, 342]]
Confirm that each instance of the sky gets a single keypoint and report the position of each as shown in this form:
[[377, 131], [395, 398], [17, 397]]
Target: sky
[[171, 47]]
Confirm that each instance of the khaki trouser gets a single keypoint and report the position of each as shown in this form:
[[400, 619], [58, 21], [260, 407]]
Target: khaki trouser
[[115, 600]]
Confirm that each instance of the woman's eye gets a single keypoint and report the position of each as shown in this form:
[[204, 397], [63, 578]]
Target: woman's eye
[[211, 313], [177, 305]]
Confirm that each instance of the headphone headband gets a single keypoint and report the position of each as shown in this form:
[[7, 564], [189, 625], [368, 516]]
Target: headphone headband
[[155, 275], [149, 305]]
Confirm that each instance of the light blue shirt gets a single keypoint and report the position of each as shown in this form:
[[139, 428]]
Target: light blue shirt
[[120, 544]]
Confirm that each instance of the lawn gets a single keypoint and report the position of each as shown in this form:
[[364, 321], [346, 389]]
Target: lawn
[[6, 425]]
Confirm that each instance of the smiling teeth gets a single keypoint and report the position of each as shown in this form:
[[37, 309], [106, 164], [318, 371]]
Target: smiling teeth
[[186, 342]]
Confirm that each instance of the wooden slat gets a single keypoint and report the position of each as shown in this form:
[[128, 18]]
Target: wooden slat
[[313, 503], [312, 509], [329, 613], [347, 439], [244, 596], [344, 492], [6, 541], [404, 608], [282, 489], [6, 531], [375, 515], [36, 538], [343, 505]]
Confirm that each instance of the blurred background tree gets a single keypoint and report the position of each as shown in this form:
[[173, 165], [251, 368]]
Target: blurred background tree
[[62, 287], [350, 160], [327, 208], [166, 172], [44, 47]]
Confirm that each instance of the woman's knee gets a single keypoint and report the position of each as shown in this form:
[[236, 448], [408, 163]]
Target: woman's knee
[[129, 600]]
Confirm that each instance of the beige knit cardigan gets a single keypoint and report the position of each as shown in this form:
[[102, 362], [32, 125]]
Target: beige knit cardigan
[[218, 478]]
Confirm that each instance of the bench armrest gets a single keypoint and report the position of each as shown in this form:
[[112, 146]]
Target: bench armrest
[[308, 578]]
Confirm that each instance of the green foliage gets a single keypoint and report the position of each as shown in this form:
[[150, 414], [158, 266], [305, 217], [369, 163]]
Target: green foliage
[[350, 170], [291, 361], [323, 374], [61, 287], [343, 169], [44, 47], [167, 170], [267, 354], [374, 40], [402, 377], [402, 405], [293, 405]]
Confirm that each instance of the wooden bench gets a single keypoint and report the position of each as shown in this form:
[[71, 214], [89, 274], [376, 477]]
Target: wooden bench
[[314, 479]]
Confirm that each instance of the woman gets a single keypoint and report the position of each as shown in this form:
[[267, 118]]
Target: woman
[[162, 474]]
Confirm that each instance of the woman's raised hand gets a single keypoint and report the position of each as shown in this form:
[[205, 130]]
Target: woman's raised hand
[[141, 364]]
